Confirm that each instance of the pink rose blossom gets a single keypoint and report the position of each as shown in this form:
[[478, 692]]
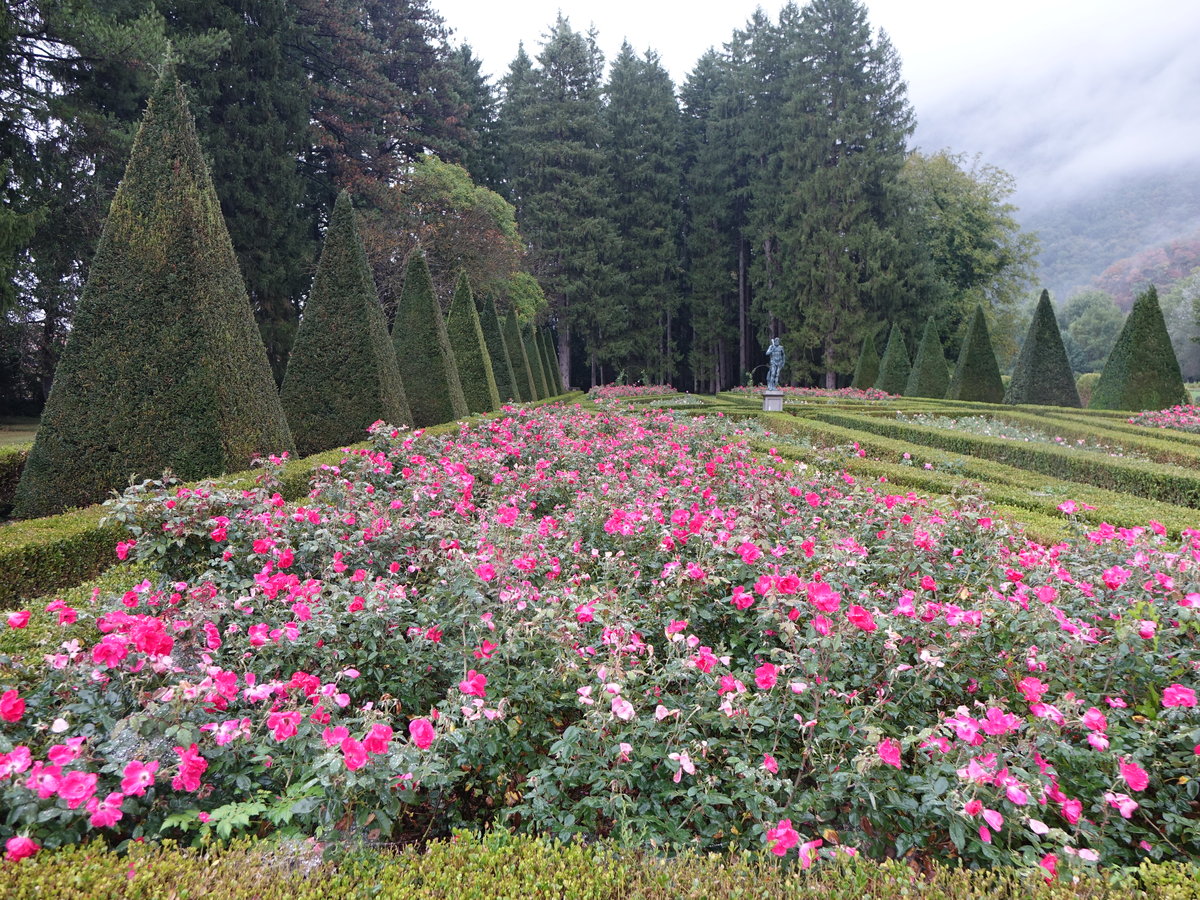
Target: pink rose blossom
[[422, 733]]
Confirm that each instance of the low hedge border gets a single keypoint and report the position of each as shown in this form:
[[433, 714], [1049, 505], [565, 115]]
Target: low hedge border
[[1000, 484], [40, 556], [1154, 481], [502, 865]]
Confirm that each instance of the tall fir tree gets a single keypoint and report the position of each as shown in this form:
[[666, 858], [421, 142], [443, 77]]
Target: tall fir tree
[[342, 374], [493, 337], [520, 358], [930, 375], [470, 351], [1043, 374], [977, 375], [643, 141], [423, 352], [1142, 371], [165, 367]]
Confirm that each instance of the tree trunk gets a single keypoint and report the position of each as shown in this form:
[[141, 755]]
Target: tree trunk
[[564, 355]]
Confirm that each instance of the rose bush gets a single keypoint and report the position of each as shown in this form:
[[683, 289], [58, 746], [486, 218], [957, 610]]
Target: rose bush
[[624, 625]]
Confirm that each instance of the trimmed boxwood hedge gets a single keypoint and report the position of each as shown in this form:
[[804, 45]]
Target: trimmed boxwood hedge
[[866, 371], [493, 336], [520, 358], [470, 351], [536, 364], [164, 366], [895, 367], [12, 461], [1142, 371], [977, 375], [1043, 373], [930, 375]]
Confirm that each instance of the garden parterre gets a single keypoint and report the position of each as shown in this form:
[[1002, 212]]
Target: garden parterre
[[616, 624]]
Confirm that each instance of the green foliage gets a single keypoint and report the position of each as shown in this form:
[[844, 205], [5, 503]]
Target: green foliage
[[930, 375], [895, 367], [470, 351], [551, 358], [12, 461], [1043, 375], [977, 375], [493, 337], [1092, 320], [1179, 306], [866, 372], [1086, 385], [520, 359], [164, 367], [536, 363], [427, 365], [1142, 371], [54, 552], [342, 374]]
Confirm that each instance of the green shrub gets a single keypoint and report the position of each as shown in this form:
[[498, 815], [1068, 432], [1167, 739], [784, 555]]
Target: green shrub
[[866, 373], [520, 359], [470, 352], [427, 364], [894, 368], [930, 376], [536, 363], [12, 461], [342, 374], [1086, 385], [493, 336], [553, 376], [1142, 371], [977, 375], [164, 367], [1043, 374]]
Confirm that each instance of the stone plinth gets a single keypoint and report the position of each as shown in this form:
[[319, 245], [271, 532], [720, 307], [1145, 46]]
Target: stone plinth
[[773, 401]]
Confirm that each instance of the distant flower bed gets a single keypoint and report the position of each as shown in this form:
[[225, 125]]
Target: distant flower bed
[[627, 391], [1181, 418], [987, 426], [812, 393]]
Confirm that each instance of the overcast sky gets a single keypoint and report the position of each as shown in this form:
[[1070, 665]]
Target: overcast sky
[[1061, 93]]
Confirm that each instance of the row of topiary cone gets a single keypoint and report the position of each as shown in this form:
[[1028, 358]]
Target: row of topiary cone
[[165, 367], [1142, 371]]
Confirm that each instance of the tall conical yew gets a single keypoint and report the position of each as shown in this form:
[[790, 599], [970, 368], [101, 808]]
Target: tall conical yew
[[894, 367], [342, 373], [1043, 373], [528, 335], [164, 367], [1142, 371], [977, 375], [493, 336], [423, 352], [930, 375], [470, 352], [867, 370], [551, 361], [520, 359]]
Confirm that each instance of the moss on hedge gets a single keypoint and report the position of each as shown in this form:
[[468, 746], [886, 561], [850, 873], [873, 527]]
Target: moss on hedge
[[1142, 371], [894, 368], [930, 375], [1043, 373], [342, 373], [977, 375], [470, 351], [164, 367]]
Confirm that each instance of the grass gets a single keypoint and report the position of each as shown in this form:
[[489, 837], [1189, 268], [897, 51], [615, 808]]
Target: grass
[[17, 431]]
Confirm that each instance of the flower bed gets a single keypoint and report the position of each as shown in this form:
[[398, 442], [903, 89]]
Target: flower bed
[[629, 391], [799, 394], [1180, 418], [616, 625]]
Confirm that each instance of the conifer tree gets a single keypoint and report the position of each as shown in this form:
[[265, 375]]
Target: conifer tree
[[867, 370], [342, 374], [1142, 371], [520, 359], [552, 361], [427, 364], [538, 367], [164, 367], [977, 375], [1043, 373], [493, 337], [470, 351], [895, 366], [930, 376]]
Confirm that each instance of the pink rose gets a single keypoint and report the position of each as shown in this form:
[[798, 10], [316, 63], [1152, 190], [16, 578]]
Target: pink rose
[[422, 733]]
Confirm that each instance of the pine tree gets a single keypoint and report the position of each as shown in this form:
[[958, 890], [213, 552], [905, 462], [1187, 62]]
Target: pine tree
[[867, 370], [894, 368], [520, 359], [977, 375], [1043, 374], [493, 337], [930, 376], [164, 367], [427, 364], [529, 336], [470, 351], [342, 374], [1142, 371]]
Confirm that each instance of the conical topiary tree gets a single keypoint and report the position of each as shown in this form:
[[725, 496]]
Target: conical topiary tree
[[1142, 371], [493, 336], [164, 367], [427, 363], [552, 361], [466, 339], [977, 375], [520, 359], [867, 370], [539, 341], [894, 367], [930, 375], [342, 374], [529, 334], [1043, 373]]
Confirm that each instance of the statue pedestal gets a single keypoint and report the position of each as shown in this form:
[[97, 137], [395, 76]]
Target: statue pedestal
[[773, 401]]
